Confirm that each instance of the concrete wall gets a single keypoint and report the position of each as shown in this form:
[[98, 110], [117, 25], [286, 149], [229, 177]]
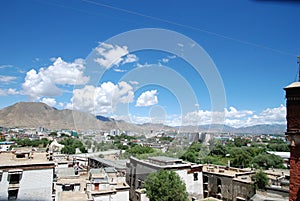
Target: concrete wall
[[192, 187], [139, 172], [227, 188], [241, 189], [34, 185], [119, 196]]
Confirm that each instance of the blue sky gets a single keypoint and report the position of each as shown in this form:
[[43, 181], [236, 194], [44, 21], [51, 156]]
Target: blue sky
[[46, 48]]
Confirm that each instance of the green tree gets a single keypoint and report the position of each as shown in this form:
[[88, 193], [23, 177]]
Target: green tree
[[266, 161], [219, 150], [71, 144], [165, 185], [240, 157], [138, 149], [261, 180]]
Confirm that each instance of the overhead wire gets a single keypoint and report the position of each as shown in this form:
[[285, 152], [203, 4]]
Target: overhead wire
[[189, 27]]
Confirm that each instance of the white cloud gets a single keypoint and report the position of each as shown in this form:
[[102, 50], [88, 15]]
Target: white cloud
[[10, 91], [144, 65], [180, 44], [111, 55], [6, 66], [237, 118], [103, 99], [6, 79], [165, 60], [44, 83], [130, 58], [147, 98], [49, 101], [119, 70], [134, 82]]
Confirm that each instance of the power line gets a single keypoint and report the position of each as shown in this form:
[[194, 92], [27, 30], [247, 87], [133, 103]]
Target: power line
[[189, 27]]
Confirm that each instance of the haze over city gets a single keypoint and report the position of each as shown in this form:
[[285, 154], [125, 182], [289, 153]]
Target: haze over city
[[46, 48]]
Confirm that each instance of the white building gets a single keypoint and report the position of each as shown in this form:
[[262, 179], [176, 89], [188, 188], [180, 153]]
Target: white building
[[4, 146], [25, 175], [105, 184], [138, 170]]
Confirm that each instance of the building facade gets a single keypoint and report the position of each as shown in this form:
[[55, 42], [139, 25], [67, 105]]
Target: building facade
[[227, 183], [138, 170], [26, 176]]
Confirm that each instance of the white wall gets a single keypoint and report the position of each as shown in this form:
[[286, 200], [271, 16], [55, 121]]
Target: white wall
[[34, 185], [119, 196], [192, 187]]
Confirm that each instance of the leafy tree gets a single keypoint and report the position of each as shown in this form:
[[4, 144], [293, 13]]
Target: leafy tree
[[53, 134], [193, 153], [2, 139], [165, 185], [88, 143], [279, 147], [240, 157], [266, 161], [71, 144], [219, 150], [138, 149], [261, 180], [190, 156]]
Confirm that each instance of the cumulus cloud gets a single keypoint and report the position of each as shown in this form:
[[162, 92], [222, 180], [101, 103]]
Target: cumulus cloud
[[130, 58], [45, 82], [103, 99], [10, 91], [49, 101], [6, 79], [112, 55], [236, 118], [147, 98]]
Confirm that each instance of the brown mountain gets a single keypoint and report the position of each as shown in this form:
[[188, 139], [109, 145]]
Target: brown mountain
[[36, 114]]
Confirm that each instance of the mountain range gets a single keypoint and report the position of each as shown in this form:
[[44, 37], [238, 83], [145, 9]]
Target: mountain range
[[36, 114]]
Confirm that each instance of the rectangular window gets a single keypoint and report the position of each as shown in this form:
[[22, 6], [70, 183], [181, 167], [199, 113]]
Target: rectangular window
[[96, 187], [14, 179], [13, 194], [68, 187], [195, 176], [14, 176]]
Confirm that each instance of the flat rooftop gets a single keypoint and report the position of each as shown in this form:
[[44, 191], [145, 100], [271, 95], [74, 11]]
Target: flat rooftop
[[165, 159], [72, 196], [225, 171], [9, 159], [118, 164]]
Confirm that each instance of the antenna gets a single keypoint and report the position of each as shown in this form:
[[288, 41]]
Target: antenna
[[298, 62]]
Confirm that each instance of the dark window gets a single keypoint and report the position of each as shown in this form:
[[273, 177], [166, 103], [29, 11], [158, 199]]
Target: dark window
[[14, 179], [68, 187], [13, 194], [195, 176], [205, 179]]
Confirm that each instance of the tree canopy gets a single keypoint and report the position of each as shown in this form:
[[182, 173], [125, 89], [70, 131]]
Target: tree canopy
[[261, 180], [165, 185]]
